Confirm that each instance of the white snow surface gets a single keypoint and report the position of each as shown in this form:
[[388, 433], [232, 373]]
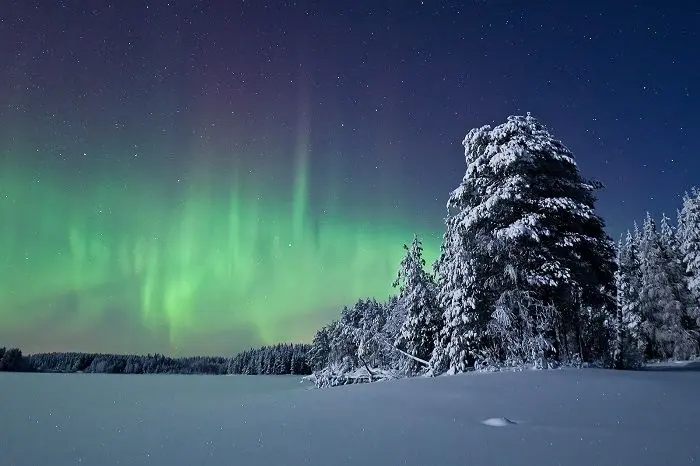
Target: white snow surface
[[562, 417]]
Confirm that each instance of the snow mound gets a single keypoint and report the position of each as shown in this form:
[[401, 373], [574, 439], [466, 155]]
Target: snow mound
[[498, 422]]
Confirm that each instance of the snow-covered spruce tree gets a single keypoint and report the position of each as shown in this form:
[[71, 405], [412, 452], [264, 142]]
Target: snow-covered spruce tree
[[372, 350], [418, 298], [318, 354], [665, 301], [344, 340], [628, 349], [333, 354], [457, 343], [521, 220], [689, 240], [354, 348], [396, 314]]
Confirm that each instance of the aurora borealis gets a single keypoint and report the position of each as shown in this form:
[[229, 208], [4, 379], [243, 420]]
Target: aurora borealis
[[200, 176], [216, 267]]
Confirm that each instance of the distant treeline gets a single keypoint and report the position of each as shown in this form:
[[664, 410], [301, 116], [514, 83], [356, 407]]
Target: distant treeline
[[283, 358]]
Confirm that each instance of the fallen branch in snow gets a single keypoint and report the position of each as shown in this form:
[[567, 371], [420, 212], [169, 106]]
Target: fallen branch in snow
[[382, 339], [334, 376], [342, 374], [415, 358]]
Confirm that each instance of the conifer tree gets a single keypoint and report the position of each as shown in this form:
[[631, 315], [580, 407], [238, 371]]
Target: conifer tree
[[665, 302], [417, 296], [12, 361], [522, 219], [396, 315], [628, 319], [689, 240], [320, 349]]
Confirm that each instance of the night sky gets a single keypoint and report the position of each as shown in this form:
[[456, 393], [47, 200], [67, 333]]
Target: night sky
[[198, 177]]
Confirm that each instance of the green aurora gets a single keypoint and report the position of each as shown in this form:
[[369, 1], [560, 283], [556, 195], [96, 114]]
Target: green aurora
[[211, 268]]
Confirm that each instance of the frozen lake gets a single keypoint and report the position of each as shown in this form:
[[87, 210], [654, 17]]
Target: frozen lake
[[568, 417]]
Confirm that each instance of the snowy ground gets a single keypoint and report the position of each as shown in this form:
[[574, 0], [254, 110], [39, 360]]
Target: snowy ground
[[568, 417]]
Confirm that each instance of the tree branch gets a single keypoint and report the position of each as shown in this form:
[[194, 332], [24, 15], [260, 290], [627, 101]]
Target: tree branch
[[417, 359], [371, 374]]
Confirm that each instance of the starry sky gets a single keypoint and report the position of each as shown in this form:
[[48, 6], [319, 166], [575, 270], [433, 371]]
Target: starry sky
[[199, 177]]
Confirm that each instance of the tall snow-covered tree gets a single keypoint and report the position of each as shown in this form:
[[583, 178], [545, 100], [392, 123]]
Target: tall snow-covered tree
[[396, 314], [457, 344], [319, 352], [665, 301], [352, 341], [628, 318], [689, 240], [679, 272], [522, 219], [418, 298], [372, 349], [669, 239]]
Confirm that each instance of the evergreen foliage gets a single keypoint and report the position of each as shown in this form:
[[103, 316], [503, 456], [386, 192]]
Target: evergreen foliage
[[628, 280], [273, 360], [689, 241], [280, 359], [665, 303], [526, 277], [11, 360], [418, 301], [522, 221]]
